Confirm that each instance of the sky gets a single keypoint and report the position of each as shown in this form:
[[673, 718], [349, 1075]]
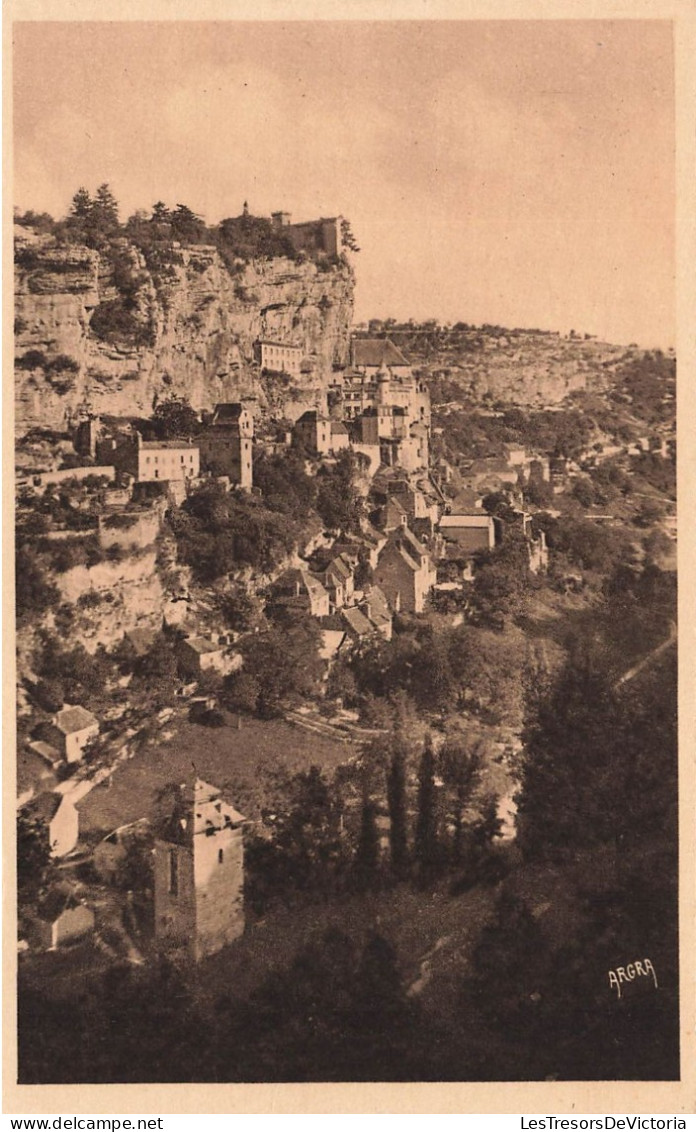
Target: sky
[[510, 172]]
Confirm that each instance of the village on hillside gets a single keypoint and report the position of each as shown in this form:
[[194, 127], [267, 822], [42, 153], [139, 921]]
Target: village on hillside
[[276, 659]]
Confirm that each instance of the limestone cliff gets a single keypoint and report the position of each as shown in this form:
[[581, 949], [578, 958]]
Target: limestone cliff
[[110, 333]]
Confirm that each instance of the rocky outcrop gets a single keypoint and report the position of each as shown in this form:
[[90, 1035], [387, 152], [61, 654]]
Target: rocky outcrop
[[523, 367], [107, 333]]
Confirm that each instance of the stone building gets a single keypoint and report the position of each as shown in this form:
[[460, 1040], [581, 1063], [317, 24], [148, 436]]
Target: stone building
[[150, 460], [299, 590], [227, 442], [314, 431], [468, 533], [275, 356], [314, 237], [70, 731], [199, 873], [60, 918], [405, 572]]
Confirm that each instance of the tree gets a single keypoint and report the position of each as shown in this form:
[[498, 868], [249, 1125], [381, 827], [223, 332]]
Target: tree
[[286, 664], [302, 850], [508, 964], [34, 593], [33, 854], [81, 206], [600, 759], [284, 483], [241, 692], [426, 841], [584, 491], [338, 502], [396, 800], [347, 238], [174, 418], [367, 851], [501, 578], [104, 212], [160, 213], [240, 608], [461, 773]]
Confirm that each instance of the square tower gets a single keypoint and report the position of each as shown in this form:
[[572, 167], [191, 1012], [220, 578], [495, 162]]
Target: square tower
[[199, 873]]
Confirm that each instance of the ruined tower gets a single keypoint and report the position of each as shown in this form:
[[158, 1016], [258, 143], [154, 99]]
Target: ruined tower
[[199, 873]]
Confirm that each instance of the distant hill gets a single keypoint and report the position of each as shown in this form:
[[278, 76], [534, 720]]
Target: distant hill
[[528, 368]]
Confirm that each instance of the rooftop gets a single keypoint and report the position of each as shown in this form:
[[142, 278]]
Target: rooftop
[[72, 719], [200, 809], [376, 352], [312, 415], [478, 521], [175, 445], [228, 411], [357, 621], [202, 644]]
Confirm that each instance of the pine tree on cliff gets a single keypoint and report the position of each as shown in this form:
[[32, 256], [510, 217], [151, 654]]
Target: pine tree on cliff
[[104, 214], [426, 844], [81, 205], [396, 799]]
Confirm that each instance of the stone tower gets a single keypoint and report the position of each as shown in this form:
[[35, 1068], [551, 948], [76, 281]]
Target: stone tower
[[199, 873], [226, 446]]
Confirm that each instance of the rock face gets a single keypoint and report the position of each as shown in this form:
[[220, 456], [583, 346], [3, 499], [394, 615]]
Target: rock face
[[106, 333], [523, 367]]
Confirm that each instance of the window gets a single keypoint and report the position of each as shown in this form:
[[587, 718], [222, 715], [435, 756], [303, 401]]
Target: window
[[173, 873], [220, 856]]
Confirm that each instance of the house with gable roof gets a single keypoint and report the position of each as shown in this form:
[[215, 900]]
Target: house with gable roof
[[299, 589], [314, 431], [339, 581], [70, 731], [60, 918], [405, 572]]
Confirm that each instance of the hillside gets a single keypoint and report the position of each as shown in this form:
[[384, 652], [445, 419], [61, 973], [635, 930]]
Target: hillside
[[530, 368]]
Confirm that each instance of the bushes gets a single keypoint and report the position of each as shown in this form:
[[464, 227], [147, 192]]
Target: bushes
[[285, 485], [114, 321], [74, 670], [218, 532], [34, 593], [32, 359], [76, 552], [278, 667]]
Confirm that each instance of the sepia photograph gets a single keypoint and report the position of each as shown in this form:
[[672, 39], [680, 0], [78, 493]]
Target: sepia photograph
[[345, 534]]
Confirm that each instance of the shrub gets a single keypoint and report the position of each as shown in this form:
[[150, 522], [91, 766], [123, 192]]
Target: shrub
[[242, 692], [212, 718], [114, 321], [49, 694], [34, 593], [63, 363], [32, 359]]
